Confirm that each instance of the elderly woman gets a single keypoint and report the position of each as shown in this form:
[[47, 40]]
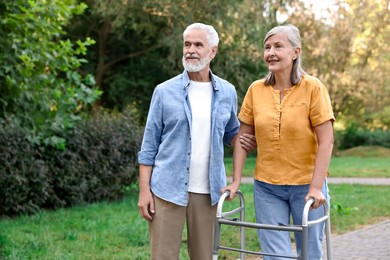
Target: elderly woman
[[291, 115]]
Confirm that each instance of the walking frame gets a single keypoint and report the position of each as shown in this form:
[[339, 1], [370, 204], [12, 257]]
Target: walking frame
[[222, 218]]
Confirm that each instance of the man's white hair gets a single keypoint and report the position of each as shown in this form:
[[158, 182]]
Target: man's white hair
[[212, 35]]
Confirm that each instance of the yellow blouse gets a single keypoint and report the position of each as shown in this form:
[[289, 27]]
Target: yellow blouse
[[284, 129]]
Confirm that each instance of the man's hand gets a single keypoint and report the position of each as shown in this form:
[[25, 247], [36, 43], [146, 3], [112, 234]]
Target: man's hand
[[146, 205], [248, 142]]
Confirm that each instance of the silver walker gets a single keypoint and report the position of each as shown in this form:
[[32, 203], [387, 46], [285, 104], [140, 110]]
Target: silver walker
[[222, 218]]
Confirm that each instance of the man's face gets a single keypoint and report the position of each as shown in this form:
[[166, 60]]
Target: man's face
[[197, 53]]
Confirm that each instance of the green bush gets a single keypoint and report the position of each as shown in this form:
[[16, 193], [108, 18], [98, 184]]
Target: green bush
[[354, 136], [23, 174], [97, 163]]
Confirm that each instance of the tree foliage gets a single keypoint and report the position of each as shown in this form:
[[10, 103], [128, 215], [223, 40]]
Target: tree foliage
[[39, 81], [349, 52], [139, 44]]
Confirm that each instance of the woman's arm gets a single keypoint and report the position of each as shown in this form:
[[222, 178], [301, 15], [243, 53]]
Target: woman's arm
[[239, 157], [324, 133]]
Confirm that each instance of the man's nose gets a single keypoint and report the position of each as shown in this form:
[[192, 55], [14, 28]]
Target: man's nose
[[192, 49]]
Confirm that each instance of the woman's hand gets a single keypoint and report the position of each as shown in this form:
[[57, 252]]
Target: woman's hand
[[318, 197]]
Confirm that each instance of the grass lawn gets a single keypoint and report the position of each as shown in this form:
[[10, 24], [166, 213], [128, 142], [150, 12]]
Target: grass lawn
[[116, 231], [346, 165]]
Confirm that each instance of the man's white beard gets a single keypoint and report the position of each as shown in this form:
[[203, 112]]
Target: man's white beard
[[191, 67]]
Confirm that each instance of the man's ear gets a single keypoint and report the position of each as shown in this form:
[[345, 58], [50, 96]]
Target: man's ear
[[213, 52]]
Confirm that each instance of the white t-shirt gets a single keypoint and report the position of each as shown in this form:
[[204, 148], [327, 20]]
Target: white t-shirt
[[200, 94]]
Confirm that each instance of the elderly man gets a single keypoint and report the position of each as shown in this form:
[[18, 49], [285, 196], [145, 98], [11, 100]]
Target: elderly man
[[182, 171]]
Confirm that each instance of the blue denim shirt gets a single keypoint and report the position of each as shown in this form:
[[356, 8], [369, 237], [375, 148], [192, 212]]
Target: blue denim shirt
[[166, 144]]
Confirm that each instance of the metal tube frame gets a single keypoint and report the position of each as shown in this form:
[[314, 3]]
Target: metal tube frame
[[221, 218]]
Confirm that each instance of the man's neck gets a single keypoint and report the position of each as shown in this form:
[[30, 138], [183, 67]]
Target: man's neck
[[201, 76]]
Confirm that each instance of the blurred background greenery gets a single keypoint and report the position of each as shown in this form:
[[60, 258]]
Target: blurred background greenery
[[76, 79]]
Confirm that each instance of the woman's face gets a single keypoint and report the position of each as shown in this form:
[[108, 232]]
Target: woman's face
[[279, 53]]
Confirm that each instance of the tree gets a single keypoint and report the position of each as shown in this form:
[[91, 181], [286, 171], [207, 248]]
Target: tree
[[349, 52], [41, 88], [139, 43]]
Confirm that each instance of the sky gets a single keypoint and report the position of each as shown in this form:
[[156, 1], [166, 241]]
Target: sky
[[319, 7], [319, 4]]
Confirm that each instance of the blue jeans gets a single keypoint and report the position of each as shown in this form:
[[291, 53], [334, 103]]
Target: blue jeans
[[274, 204]]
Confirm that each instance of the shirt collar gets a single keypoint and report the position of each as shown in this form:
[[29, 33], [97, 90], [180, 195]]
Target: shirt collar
[[186, 80]]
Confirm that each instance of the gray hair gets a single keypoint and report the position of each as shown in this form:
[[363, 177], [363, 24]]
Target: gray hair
[[212, 35], [294, 38]]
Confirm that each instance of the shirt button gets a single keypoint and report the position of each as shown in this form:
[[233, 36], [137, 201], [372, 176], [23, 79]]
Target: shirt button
[[189, 153], [185, 183]]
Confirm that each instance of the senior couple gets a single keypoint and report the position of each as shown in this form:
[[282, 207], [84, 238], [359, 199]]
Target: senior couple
[[287, 116]]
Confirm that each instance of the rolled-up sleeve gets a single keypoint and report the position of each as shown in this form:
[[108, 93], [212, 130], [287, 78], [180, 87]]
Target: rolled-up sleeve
[[153, 130], [246, 112], [321, 106], [233, 124]]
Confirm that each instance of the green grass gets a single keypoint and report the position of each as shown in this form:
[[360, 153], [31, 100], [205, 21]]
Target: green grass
[[97, 231], [354, 206], [360, 167], [116, 231], [347, 165]]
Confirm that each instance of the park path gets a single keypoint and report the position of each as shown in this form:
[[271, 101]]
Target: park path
[[369, 243]]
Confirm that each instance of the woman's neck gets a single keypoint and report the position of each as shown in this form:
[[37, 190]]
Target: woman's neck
[[282, 82]]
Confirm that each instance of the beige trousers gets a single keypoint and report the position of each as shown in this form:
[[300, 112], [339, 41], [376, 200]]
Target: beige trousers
[[166, 228]]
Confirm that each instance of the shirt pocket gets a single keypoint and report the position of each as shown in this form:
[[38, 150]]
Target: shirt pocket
[[295, 119], [222, 117]]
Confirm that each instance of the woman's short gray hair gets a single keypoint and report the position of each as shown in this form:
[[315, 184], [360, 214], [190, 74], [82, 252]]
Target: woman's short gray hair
[[294, 38], [212, 35]]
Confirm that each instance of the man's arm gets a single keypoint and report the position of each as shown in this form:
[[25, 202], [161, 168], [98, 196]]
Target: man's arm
[[145, 199]]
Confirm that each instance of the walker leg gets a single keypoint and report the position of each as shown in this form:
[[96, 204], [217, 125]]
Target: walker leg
[[328, 243], [217, 235], [305, 244], [242, 235]]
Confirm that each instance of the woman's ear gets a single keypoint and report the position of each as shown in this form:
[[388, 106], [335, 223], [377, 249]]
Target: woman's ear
[[297, 51]]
